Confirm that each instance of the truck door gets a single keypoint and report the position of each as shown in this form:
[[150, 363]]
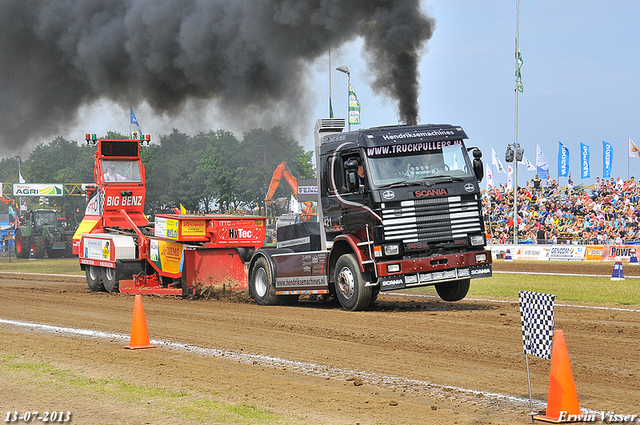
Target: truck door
[[354, 190]]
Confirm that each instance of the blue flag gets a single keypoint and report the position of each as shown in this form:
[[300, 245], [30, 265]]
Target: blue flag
[[607, 159], [134, 122], [563, 160], [585, 156]]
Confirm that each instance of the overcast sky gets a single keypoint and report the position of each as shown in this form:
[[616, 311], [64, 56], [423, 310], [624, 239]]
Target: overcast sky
[[580, 77]]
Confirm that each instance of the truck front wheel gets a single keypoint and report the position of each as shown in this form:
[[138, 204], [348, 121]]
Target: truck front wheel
[[350, 284], [453, 291], [261, 286], [94, 278]]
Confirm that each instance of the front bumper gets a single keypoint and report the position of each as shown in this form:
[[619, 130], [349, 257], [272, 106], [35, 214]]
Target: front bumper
[[432, 270]]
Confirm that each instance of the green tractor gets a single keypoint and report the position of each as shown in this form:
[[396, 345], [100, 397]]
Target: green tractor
[[41, 232]]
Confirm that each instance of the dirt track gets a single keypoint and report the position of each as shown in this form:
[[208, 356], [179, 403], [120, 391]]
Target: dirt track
[[409, 361]]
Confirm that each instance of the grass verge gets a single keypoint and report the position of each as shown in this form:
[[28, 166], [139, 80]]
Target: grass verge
[[161, 402], [601, 290], [44, 265]]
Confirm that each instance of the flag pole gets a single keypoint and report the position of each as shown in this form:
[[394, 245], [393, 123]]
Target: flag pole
[[330, 105], [532, 414], [628, 159], [515, 162]]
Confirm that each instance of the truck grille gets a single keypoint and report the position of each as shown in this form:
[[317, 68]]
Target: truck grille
[[433, 220]]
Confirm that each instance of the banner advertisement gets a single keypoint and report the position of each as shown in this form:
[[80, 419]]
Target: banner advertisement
[[566, 253], [540, 252], [38, 189], [529, 252], [607, 159], [593, 252], [563, 160], [585, 170], [619, 252]]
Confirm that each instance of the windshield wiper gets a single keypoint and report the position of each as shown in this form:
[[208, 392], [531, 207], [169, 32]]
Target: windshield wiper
[[394, 184], [447, 178]]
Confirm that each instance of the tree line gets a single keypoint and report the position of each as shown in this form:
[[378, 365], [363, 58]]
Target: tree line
[[212, 172]]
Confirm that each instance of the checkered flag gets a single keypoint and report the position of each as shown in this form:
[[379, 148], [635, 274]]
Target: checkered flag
[[536, 312]]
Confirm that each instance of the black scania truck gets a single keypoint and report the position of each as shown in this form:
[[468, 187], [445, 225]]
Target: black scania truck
[[398, 207]]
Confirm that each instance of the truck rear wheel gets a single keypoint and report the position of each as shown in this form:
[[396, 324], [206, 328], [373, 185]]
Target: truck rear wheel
[[261, 286], [94, 278], [453, 291], [109, 279], [39, 246], [350, 284], [23, 245]]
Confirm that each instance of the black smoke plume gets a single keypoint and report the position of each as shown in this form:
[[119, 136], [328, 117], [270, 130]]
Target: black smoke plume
[[246, 55]]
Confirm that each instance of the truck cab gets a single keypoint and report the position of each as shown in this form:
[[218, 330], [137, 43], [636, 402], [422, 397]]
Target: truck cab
[[120, 180]]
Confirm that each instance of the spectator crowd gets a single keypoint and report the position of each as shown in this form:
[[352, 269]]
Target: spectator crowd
[[604, 213]]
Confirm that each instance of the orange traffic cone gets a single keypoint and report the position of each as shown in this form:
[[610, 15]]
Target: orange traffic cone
[[139, 335], [562, 402]]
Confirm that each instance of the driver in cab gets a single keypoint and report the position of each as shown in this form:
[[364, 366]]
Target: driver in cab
[[112, 176]]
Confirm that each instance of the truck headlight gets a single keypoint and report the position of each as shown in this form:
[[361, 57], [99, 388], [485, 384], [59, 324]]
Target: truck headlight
[[392, 249], [393, 268], [481, 258], [477, 240], [409, 279]]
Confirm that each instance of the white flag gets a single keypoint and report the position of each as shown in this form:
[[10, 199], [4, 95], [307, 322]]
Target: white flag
[[496, 161], [525, 161], [510, 178], [489, 177], [542, 165], [633, 149]]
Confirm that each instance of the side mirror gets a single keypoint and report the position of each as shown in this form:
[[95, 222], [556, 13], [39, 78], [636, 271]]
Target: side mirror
[[351, 178], [478, 165], [352, 181], [351, 164]]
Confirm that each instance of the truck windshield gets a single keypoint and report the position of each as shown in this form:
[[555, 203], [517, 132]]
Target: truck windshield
[[121, 171], [448, 161]]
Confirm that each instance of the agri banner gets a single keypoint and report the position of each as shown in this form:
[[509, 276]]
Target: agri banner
[[565, 253], [594, 252], [619, 252], [38, 189]]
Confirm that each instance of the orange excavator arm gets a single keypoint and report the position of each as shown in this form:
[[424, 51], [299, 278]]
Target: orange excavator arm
[[10, 201], [275, 181]]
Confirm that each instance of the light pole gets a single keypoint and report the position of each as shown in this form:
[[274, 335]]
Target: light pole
[[346, 71], [514, 154]]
